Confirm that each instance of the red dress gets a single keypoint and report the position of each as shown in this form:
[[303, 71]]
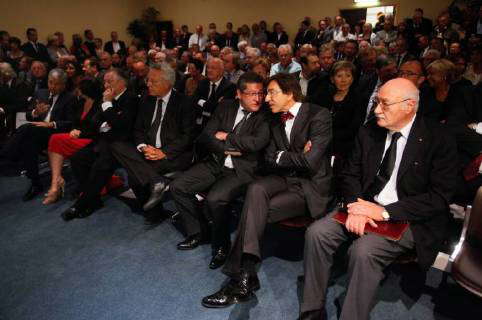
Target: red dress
[[64, 144]]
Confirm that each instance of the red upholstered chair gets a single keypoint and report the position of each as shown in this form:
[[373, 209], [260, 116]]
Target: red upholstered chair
[[467, 256]]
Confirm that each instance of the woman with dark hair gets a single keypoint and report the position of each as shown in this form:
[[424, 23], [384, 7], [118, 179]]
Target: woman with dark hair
[[194, 69], [14, 55], [74, 73], [344, 104], [64, 145]]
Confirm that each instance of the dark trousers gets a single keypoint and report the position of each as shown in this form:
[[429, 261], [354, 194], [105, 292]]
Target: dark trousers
[[141, 171], [368, 257], [92, 166], [268, 200], [25, 145], [224, 186]]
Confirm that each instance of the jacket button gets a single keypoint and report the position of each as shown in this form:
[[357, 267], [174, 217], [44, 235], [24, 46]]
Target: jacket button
[[416, 163]]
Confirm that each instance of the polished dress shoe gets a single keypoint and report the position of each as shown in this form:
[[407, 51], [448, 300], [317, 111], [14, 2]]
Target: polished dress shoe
[[235, 291], [157, 192], [32, 192], [313, 315], [219, 258], [79, 213], [191, 242]]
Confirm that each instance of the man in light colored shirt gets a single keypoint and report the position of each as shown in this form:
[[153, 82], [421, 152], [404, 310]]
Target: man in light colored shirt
[[401, 169], [198, 38], [286, 64]]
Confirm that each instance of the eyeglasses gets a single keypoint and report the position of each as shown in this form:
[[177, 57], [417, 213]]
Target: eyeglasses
[[402, 73], [253, 94], [273, 92], [385, 105]]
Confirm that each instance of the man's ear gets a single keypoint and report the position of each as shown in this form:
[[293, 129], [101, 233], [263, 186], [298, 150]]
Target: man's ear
[[238, 93]]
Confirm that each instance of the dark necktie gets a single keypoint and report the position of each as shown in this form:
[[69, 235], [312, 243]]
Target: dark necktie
[[386, 167], [213, 91], [285, 116], [239, 126], [228, 43], [152, 133]]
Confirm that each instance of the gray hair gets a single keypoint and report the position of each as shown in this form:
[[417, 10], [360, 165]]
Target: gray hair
[[119, 75], [168, 72], [242, 43], [285, 47], [413, 95], [7, 71], [59, 74], [256, 51]]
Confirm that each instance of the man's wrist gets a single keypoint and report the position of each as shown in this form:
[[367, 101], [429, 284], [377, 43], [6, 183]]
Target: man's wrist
[[385, 215]]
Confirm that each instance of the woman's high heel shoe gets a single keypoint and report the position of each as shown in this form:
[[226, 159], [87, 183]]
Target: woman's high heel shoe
[[55, 195]]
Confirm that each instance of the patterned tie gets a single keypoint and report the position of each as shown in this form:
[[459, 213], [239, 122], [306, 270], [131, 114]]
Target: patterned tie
[[285, 116], [152, 133], [240, 124]]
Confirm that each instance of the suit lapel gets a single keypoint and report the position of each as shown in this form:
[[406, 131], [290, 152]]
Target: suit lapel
[[299, 123], [232, 113], [413, 147], [279, 134], [375, 153]]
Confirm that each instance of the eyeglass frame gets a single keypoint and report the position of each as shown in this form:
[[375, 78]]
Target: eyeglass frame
[[384, 105]]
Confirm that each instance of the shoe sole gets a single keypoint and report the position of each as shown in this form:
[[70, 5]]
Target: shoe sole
[[236, 301]]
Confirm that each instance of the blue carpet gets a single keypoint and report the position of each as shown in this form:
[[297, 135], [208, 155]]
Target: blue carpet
[[109, 266]]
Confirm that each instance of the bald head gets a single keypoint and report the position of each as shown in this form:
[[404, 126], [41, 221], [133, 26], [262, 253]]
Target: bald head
[[397, 104], [140, 69], [214, 69]]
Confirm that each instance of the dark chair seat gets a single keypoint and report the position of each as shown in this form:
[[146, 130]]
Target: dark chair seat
[[466, 269]]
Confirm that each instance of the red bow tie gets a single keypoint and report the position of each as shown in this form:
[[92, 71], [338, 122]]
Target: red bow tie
[[285, 116]]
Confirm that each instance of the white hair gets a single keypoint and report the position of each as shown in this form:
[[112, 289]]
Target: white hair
[[286, 47]]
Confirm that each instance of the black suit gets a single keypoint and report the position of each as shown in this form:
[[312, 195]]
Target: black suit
[[28, 141], [108, 46], [365, 88], [225, 90], [229, 42], [282, 39], [93, 165], [316, 84], [425, 27], [424, 184], [299, 183], [40, 53], [304, 37], [225, 183]]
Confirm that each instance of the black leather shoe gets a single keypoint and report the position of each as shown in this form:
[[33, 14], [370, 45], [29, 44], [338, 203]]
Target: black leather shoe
[[32, 192], [235, 291], [190, 242], [313, 315], [219, 258], [70, 213], [157, 192], [76, 213]]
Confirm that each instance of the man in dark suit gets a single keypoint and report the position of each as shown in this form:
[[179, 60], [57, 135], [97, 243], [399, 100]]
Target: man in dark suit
[[279, 36], [229, 39], [211, 91], [401, 169], [419, 25], [93, 165], [115, 45], [309, 77], [305, 35], [163, 139], [234, 138], [89, 43], [300, 184], [52, 113], [34, 49], [165, 41]]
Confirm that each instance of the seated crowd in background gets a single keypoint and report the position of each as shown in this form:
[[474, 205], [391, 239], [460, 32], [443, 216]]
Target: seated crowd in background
[[295, 129]]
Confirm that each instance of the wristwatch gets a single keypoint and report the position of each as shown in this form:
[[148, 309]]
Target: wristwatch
[[385, 215]]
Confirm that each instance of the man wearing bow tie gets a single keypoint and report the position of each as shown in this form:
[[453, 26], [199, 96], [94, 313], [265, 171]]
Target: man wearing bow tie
[[299, 184]]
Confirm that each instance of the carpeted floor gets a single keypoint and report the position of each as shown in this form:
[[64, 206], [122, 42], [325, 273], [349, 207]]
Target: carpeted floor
[[110, 266]]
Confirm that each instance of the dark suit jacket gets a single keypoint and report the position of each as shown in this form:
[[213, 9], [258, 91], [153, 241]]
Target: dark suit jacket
[[62, 112], [424, 28], [110, 48], [40, 54], [233, 41], [425, 182], [312, 168], [322, 37], [316, 84], [85, 125], [225, 90], [365, 88], [282, 40], [177, 127], [304, 37], [252, 139], [120, 117]]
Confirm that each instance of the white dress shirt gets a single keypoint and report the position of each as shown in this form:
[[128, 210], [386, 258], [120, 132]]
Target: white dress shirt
[[304, 83], [228, 162], [116, 46], [389, 194], [198, 39], [289, 124], [105, 127], [49, 113]]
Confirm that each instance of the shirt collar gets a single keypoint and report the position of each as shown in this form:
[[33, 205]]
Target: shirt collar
[[118, 96], [405, 131], [295, 109], [217, 82], [166, 97]]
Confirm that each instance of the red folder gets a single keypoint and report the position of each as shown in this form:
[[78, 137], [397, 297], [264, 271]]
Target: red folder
[[387, 229]]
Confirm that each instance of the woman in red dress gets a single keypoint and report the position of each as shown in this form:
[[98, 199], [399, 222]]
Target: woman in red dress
[[64, 145]]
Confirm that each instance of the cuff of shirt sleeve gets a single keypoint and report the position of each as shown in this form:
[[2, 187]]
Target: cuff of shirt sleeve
[[278, 157], [140, 146], [2, 110], [478, 128], [106, 105], [201, 102]]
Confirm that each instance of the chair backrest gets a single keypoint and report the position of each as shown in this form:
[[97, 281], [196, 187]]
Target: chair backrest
[[474, 228]]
